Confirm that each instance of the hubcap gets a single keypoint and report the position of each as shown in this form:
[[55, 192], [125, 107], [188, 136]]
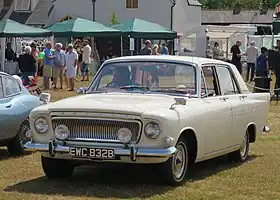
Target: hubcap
[[22, 132], [243, 148], [179, 162]]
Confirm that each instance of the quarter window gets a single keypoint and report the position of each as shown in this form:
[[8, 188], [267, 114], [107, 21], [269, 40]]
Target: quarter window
[[209, 86], [227, 82], [11, 86], [132, 4]]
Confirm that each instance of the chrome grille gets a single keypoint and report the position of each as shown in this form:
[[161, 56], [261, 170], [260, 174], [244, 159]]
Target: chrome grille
[[102, 130]]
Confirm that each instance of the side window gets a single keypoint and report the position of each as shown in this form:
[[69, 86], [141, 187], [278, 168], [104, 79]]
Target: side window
[[11, 86], [1, 88], [209, 86], [227, 83]]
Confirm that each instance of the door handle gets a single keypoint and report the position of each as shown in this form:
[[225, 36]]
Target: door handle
[[8, 106], [243, 97], [224, 98]]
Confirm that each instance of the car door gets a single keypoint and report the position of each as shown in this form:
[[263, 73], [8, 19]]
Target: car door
[[231, 91], [8, 120], [5, 113], [219, 111]]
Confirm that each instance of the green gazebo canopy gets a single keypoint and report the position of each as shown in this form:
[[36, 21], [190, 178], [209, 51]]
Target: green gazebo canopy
[[78, 27], [138, 28], [10, 28]]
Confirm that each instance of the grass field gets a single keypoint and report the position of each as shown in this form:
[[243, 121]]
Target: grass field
[[23, 179]]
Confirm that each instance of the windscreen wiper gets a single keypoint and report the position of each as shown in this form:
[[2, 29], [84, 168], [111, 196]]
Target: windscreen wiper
[[135, 87]]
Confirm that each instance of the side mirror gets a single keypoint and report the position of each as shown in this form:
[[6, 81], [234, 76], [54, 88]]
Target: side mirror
[[82, 90], [45, 98], [266, 129]]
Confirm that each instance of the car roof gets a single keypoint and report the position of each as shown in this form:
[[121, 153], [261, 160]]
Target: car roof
[[199, 61]]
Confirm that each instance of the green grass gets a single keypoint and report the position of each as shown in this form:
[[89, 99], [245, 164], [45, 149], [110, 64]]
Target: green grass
[[218, 179]]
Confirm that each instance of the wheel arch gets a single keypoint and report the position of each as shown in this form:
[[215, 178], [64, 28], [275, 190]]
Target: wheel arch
[[189, 135], [252, 130]]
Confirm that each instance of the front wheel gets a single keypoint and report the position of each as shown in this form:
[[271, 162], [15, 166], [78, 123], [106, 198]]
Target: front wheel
[[16, 146], [241, 154], [55, 168], [176, 167]]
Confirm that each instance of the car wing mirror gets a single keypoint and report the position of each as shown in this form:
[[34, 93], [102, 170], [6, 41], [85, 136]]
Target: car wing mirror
[[45, 98], [82, 90], [178, 101]]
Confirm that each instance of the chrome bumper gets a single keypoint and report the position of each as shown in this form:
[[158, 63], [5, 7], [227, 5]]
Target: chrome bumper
[[128, 154]]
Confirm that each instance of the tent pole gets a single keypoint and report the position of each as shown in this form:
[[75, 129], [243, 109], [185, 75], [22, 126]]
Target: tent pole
[[121, 46], [3, 47], [227, 48]]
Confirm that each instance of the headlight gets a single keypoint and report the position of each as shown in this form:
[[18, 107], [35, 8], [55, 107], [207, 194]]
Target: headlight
[[61, 132], [124, 135], [152, 130], [41, 125]]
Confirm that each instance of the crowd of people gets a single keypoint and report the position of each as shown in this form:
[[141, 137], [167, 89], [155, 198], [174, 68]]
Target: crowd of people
[[148, 49], [62, 66], [59, 66], [257, 60]]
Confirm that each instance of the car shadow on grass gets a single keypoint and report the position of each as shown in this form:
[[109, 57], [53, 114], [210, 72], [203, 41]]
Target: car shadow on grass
[[4, 154], [119, 182], [211, 167]]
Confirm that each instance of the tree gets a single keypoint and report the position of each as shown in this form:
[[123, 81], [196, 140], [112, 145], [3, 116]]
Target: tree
[[244, 4], [113, 19]]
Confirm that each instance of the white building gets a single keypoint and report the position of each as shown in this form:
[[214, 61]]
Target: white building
[[186, 13]]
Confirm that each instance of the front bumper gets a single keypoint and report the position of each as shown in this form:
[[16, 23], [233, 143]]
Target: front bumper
[[128, 154]]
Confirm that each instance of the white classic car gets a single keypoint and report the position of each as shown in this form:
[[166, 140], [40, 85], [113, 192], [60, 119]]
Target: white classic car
[[167, 110]]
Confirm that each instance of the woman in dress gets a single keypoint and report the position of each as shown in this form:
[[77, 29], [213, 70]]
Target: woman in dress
[[79, 47], [71, 66]]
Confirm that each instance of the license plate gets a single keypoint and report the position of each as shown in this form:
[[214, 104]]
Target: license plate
[[99, 153]]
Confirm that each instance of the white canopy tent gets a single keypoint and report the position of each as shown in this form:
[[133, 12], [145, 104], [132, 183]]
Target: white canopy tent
[[201, 38]]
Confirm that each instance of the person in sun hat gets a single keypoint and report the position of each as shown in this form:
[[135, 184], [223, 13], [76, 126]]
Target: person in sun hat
[[147, 49]]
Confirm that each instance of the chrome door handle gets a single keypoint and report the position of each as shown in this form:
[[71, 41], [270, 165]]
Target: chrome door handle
[[8, 106], [243, 97]]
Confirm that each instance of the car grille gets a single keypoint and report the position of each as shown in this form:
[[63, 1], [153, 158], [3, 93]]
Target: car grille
[[100, 130]]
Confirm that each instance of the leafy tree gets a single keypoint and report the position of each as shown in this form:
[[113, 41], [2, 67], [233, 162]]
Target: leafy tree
[[244, 4]]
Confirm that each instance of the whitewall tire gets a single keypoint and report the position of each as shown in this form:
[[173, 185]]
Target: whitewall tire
[[241, 154], [176, 167]]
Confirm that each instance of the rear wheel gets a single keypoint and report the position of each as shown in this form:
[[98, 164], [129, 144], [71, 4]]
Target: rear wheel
[[176, 167], [55, 168], [16, 146], [241, 155]]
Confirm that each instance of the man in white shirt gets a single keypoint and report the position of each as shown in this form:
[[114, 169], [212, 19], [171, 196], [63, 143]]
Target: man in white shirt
[[252, 54], [86, 61], [71, 59]]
